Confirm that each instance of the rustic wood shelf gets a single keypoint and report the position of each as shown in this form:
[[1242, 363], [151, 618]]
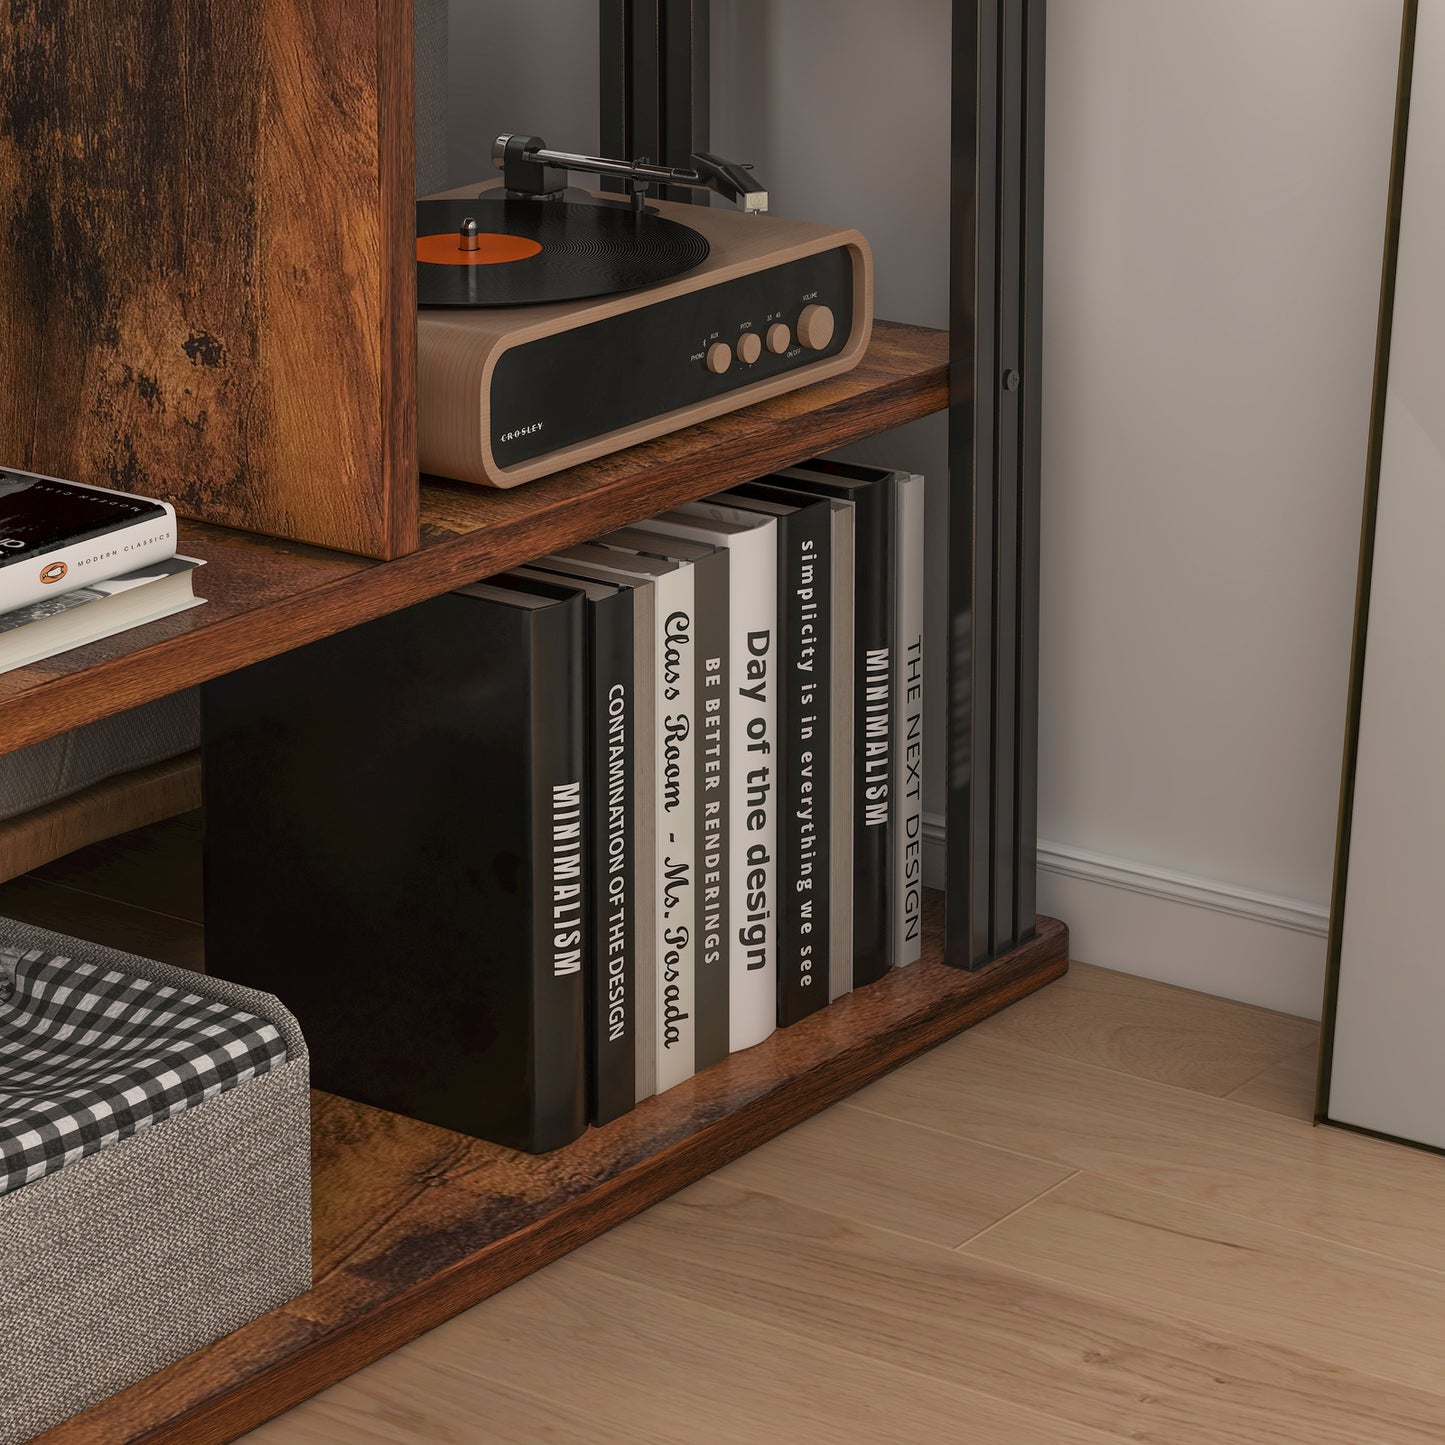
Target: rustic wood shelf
[[414, 1224], [265, 597]]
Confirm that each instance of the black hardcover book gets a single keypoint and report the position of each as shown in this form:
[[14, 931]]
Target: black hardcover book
[[805, 727], [710, 754], [611, 793], [870, 490], [396, 846]]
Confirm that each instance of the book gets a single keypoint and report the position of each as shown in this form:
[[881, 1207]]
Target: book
[[711, 584], [751, 543], [57, 536], [674, 822], [841, 970], [611, 961], [643, 875], [396, 844], [99, 609], [908, 530], [710, 876], [871, 490], [805, 590]]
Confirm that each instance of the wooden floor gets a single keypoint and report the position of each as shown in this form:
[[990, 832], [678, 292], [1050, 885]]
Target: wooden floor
[[1100, 1216]]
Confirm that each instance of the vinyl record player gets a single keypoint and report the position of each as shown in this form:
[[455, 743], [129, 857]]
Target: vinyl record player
[[557, 324]]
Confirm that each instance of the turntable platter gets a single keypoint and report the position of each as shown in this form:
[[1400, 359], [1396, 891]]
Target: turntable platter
[[531, 252]]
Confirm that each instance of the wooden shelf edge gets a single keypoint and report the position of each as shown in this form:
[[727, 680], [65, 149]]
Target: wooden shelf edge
[[115, 805], [278, 596], [872, 1032]]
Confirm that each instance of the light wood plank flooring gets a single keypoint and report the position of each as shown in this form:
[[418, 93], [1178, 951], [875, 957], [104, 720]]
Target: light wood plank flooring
[[1102, 1215]]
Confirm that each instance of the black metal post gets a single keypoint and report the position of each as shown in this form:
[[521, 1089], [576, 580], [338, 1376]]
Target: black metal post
[[654, 102], [654, 72], [994, 410]]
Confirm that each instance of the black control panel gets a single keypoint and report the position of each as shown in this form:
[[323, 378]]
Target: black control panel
[[582, 383]]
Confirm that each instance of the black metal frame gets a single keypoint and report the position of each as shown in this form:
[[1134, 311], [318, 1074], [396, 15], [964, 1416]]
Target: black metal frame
[[654, 95], [995, 390], [654, 102]]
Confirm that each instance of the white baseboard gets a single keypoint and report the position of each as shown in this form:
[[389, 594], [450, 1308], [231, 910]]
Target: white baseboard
[[1175, 927]]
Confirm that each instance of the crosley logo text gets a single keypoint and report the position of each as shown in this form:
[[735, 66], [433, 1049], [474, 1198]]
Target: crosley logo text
[[54, 572], [521, 431]]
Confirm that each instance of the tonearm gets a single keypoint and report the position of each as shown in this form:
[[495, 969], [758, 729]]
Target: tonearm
[[529, 169]]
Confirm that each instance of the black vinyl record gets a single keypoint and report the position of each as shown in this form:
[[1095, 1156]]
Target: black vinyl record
[[531, 252]]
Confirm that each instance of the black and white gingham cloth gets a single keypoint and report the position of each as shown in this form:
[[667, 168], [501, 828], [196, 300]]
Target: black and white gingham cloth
[[90, 1056]]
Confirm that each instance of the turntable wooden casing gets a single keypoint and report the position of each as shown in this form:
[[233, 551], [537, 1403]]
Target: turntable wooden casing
[[508, 394]]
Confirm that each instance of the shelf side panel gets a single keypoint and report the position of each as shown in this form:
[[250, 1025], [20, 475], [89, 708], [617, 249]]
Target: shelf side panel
[[199, 212]]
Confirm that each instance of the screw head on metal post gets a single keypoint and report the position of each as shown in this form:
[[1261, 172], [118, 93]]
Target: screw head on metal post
[[1011, 380]]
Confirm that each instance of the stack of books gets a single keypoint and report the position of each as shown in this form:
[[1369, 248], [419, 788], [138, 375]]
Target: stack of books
[[80, 563], [579, 832]]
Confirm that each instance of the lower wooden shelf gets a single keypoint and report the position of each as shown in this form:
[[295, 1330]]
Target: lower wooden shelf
[[414, 1224]]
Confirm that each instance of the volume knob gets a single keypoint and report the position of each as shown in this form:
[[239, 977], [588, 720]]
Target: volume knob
[[815, 327]]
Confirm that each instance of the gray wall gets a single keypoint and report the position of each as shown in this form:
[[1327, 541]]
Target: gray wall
[[526, 68], [1215, 209]]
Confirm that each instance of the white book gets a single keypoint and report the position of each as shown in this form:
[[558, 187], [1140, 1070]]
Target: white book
[[752, 544], [674, 704], [95, 611], [598, 562], [908, 534], [58, 536]]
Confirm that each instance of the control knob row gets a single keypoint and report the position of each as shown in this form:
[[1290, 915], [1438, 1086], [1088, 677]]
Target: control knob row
[[815, 331]]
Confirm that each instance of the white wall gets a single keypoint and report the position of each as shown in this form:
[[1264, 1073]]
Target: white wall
[[1216, 176], [1217, 180]]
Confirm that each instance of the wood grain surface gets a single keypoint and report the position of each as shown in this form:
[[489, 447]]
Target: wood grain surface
[[1286, 1087], [414, 1224], [574, 1355], [114, 805], [1153, 1031], [897, 1176], [1085, 1358], [1347, 1307], [158, 868], [791, 1297], [30, 899], [264, 597], [1344, 1187], [200, 209]]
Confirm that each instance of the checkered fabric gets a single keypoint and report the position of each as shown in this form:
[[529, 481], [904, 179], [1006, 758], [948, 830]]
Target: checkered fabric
[[90, 1056]]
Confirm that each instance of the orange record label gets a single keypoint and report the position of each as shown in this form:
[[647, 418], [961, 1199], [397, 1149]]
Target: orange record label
[[492, 247]]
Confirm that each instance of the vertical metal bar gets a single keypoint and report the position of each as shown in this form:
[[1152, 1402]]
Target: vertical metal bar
[[997, 214], [686, 123], [1006, 398], [644, 114], [655, 89], [972, 384], [614, 50], [1030, 449]]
